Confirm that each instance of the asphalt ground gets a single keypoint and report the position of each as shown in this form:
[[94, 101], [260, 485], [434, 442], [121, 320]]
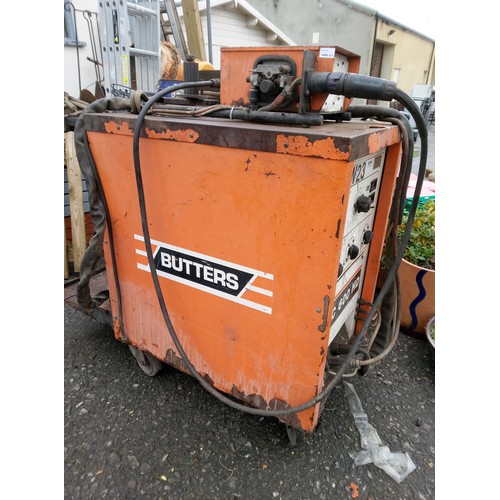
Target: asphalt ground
[[128, 435]]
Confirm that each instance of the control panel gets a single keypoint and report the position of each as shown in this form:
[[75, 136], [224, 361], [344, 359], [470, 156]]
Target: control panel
[[358, 233]]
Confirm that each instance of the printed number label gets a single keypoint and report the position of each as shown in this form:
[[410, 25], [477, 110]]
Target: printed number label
[[359, 172]]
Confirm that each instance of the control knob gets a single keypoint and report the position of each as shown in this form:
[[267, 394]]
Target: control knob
[[363, 203], [367, 237], [353, 252]]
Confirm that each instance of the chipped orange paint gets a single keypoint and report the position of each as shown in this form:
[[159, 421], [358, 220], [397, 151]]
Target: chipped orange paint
[[187, 135], [302, 146], [381, 139], [122, 128]]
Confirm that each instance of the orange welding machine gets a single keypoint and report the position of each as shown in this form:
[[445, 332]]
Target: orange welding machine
[[243, 221]]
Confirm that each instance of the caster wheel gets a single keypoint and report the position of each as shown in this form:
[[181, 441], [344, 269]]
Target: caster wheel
[[147, 362]]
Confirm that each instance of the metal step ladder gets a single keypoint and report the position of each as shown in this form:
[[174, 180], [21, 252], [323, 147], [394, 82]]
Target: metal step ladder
[[130, 34], [172, 27]]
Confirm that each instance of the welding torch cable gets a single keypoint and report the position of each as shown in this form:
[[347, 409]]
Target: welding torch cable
[[376, 328], [191, 111], [330, 385], [408, 102], [397, 312], [396, 324]]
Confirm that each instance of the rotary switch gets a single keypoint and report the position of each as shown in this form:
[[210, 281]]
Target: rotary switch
[[363, 203], [353, 252], [367, 237]]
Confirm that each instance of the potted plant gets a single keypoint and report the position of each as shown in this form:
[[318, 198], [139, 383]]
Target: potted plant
[[417, 271]]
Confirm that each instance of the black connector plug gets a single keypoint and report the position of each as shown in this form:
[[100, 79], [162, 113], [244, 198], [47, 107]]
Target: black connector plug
[[351, 85]]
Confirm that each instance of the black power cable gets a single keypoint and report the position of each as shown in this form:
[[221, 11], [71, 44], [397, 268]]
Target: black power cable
[[414, 111]]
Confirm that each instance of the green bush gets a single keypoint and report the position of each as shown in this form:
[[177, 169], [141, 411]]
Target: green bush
[[421, 245]]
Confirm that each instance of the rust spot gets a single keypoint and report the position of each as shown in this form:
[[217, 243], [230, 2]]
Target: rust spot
[[326, 305], [122, 128], [267, 174], [275, 404], [187, 135], [231, 334], [293, 419], [379, 140], [253, 399], [172, 359], [337, 233], [303, 146], [248, 164]]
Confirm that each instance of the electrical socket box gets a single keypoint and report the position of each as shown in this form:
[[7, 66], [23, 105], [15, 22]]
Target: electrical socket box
[[239, 64]]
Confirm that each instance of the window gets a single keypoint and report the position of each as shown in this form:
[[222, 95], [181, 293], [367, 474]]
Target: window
[[70, 34]]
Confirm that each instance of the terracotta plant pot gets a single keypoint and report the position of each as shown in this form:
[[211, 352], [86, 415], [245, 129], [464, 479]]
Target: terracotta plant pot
[[417, 286]]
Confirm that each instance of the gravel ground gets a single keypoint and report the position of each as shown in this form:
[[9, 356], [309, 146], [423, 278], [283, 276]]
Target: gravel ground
[[127, 435]]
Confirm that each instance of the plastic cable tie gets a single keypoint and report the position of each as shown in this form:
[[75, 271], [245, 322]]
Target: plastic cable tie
[[231, 113]]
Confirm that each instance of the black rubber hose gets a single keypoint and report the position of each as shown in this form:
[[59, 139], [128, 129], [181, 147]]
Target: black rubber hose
[[414, 110], [245, 114], [147, 240]]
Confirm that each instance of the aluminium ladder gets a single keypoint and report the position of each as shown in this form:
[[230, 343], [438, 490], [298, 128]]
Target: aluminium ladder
[[172, 26], [130, 45], [130, 33]]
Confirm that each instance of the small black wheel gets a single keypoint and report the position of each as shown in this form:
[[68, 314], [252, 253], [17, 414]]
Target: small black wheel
[[146, 361]]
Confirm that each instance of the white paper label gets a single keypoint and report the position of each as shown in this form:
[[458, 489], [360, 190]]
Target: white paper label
[[327, 52]]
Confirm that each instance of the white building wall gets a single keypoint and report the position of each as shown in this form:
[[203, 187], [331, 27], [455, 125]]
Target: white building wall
[[87, 69], [229, 29]]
